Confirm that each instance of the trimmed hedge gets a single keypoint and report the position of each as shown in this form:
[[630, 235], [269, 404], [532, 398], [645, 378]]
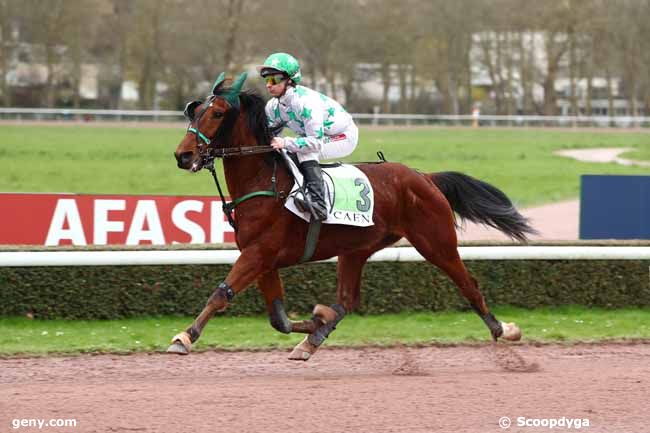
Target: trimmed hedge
[[107, 292]]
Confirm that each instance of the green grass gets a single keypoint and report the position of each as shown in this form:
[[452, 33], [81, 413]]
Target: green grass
[[127, 160], [564, 324], [640, 154]]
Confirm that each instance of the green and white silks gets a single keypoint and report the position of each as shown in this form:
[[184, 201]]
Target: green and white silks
[[311, 115]]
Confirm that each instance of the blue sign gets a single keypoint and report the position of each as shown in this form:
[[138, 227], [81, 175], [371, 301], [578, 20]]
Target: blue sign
[[615, 207]]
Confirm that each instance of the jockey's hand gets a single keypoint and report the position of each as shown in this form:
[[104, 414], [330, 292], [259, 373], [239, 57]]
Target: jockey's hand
[[277, 143]]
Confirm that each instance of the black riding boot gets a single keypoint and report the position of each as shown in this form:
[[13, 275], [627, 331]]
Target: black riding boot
[[315, 191]]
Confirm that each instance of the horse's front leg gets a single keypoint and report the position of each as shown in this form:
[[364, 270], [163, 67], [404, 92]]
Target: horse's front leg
[[247, 267], [272, 289]]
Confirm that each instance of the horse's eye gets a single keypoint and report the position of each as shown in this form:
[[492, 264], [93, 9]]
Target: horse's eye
[[217, 114]]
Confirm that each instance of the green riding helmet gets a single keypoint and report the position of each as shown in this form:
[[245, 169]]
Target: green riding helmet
[[283, 62]]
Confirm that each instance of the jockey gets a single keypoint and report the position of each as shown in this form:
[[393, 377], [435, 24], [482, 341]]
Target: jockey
[[324, 129]]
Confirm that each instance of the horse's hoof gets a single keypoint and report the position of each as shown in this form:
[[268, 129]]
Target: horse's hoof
[[511, 332], [181, 344], [303, 351], [178, 349]]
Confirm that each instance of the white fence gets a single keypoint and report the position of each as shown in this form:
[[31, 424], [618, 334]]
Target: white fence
[[41, 114], [403, 254]]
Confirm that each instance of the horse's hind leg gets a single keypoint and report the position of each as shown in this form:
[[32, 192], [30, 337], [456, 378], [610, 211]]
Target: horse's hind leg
[[349, 270], [348, 295], [437, 243]]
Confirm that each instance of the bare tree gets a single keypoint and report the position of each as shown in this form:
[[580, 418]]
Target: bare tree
[[442, 52], [43, 27], [77, 36], [555, 46], [644, 34], [7, 19], [389, 49], [111, 47], [628, 25]]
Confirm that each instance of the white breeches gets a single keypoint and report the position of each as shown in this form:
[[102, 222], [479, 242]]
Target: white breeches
[[334, 146]]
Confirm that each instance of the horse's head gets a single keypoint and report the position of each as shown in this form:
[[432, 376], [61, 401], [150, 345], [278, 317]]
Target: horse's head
[[211, 125]]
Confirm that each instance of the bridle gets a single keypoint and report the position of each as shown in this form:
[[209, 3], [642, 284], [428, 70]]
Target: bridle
[[207, 146], [208, 152]]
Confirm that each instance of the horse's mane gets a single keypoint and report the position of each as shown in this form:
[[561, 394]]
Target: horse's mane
[[254, 106]]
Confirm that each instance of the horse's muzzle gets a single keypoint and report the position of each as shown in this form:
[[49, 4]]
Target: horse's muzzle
[[184, 160]]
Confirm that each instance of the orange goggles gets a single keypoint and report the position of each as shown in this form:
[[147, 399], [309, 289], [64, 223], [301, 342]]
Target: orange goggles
[[275, 79]]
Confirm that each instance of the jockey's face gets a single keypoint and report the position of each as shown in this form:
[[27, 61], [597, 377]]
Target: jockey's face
[[276, 90]]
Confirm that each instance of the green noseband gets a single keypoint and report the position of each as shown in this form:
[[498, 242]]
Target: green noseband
[[232, 94]]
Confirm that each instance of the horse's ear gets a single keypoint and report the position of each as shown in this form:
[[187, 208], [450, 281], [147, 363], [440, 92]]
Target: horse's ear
[[237, 85], [233, 93], [217, 84]]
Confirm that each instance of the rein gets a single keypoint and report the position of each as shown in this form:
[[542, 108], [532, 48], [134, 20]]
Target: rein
[[224, 152], [229, 208]]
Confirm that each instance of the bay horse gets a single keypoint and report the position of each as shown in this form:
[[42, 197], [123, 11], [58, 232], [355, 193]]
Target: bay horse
[[231, 124]]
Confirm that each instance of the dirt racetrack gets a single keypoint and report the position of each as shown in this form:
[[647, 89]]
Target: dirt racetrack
[[464, 388]]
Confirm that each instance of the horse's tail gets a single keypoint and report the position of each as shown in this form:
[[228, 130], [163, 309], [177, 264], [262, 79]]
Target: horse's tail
[[480, 202]]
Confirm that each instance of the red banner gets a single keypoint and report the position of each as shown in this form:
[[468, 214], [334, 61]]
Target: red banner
[[71, 219]]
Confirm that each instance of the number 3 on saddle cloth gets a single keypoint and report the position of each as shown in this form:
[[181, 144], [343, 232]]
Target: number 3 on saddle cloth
[[349, 195]]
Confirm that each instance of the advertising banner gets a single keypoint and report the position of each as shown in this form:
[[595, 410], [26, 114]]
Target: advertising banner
[[614, 207], [79, 219]]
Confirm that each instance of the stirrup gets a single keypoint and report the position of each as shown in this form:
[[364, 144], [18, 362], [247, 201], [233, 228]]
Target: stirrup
[[307, 206], [301, 204]]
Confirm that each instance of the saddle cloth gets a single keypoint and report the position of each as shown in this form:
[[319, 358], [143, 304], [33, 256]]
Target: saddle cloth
[[348, 194]]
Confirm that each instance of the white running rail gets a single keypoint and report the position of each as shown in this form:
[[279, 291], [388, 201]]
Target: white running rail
[[68, 114], [401, 254]]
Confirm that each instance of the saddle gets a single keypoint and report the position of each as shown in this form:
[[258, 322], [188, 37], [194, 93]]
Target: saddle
[[349, 196]]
